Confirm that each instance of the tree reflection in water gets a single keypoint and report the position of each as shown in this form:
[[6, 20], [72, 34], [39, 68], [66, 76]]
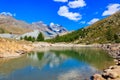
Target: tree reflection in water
[[55, 65]]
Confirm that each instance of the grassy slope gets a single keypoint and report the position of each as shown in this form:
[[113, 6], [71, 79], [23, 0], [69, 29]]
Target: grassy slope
[[12, 29], [95, 33]]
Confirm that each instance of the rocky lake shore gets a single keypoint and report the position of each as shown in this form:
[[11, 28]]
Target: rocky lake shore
[[113, 72], [13, 48]]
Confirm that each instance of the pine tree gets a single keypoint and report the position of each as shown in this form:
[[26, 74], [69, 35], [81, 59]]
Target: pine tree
[[25, 38], [29, 38], [33, 39], [21, 38], [40, 37], [109, 35], [116, 36]]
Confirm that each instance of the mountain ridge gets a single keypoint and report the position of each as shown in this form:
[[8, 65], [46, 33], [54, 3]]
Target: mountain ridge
[[10, 25]]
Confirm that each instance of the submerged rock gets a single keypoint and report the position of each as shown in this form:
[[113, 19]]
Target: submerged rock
[[98, 77]]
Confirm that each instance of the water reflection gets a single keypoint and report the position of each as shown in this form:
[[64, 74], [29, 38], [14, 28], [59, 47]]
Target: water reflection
[[78, 64]]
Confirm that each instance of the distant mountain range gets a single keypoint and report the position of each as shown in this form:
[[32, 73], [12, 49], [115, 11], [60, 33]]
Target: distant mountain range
[[104, 31], [11, 28]]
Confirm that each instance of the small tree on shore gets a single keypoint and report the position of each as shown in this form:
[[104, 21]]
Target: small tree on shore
[[33, 39], [29, 38], [25, 38], [40, 37], [116, 38], [21, 38]]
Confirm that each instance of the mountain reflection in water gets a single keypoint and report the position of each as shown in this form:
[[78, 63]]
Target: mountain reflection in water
[[72, 64]]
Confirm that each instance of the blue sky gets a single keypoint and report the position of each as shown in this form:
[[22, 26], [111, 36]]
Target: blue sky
[[72, 14]]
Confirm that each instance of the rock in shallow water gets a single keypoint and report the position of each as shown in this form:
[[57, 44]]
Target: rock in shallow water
[[97, 77]]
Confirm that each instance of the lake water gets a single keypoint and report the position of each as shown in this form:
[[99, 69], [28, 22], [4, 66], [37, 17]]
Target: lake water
[[66, 64]]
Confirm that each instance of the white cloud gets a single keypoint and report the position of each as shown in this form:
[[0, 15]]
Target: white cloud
[[61, 0], [64, 11], [93, 21], [111, 9], [70, 75], [77, 4], [7, 14]]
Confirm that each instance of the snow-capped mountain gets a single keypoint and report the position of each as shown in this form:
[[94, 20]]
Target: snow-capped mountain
[[57, 28], [12, 26]]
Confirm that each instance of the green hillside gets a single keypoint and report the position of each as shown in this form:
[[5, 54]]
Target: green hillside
[[103, 31]]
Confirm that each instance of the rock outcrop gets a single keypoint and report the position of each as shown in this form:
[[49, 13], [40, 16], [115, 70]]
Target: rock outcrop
[[98, 77], [12, 48], [113, 49]]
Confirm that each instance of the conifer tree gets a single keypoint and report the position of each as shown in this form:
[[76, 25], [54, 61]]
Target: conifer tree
[[40, 37]]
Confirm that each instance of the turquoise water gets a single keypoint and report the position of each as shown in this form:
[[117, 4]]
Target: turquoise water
[[67, 64]]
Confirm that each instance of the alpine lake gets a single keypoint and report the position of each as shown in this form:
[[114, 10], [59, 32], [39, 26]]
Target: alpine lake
[[56, 64]]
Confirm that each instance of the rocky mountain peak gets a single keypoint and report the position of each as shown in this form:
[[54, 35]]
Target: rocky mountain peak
[[41, 23], [57, 27]]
